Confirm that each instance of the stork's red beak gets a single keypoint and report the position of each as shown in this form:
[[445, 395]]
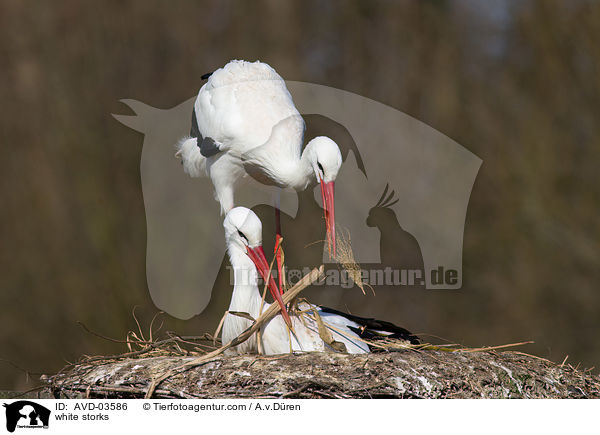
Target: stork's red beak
[[327, 192], [257, 255]]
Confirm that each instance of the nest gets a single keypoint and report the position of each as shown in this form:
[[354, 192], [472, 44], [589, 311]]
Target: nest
[[404, 373], [163, 365]]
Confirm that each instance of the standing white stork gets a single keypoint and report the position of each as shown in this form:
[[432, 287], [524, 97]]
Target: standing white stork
[[245, 122], [243, 235]]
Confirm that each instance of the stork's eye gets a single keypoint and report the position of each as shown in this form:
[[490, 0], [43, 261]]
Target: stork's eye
[[242, 236], [321, 169]]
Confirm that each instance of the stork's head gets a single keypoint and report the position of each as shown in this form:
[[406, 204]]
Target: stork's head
[[326, 160], [243, 230]]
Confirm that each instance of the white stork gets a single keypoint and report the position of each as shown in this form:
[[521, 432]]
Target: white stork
[[243, 235], [244, 122]]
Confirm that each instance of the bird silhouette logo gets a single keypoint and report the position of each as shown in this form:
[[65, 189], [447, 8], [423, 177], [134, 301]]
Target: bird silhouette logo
[[424, 217], [398, 248]]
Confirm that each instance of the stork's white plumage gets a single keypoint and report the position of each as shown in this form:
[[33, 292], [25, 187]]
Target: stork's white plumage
[[245, 122], [243, 234]]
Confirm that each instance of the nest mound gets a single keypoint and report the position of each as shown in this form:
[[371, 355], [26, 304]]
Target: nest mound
[[397, 374]]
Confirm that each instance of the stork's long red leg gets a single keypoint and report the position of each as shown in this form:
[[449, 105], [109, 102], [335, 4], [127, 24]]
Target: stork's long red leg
[[278, 248]]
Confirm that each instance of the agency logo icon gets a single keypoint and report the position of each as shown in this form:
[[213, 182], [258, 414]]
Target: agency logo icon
[[414, 229], [25, 414]]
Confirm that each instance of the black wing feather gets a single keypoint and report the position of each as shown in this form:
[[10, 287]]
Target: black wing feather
[[370, 327], [195, 131], [208, 147]]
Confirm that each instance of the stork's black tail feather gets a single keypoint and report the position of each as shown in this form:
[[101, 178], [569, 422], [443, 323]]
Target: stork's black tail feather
[[206, 76], [373, 329]]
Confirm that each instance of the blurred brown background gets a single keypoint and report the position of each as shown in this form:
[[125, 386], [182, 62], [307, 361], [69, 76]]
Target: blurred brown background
[[516, 82]]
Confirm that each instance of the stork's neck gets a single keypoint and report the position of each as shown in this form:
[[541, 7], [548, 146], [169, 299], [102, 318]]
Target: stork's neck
[[295, 171], [304, 175], [246, 297], [282, 157]]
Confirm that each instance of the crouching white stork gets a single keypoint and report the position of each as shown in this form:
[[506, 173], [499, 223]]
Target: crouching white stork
[[245, 122], [243, 234]]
